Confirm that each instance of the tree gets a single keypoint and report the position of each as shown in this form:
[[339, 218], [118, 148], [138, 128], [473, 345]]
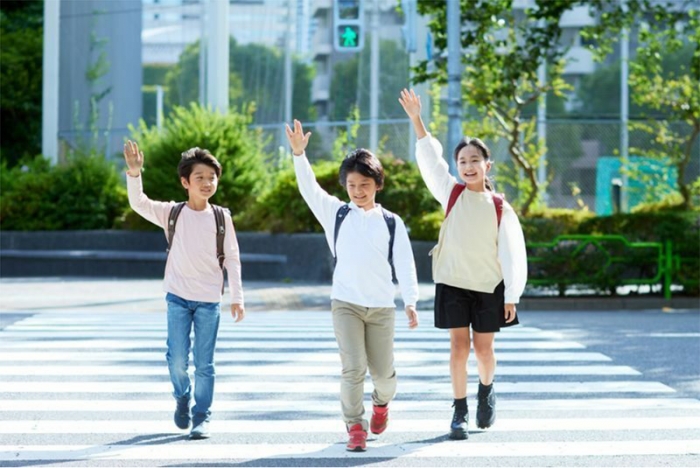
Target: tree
[[229, 137], [675, 95], [254, 76], [599, 92], [21, 36], [502, 49], [670, 93]]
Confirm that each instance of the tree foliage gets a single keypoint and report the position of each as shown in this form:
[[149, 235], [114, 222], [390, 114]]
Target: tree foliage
[[501, 53], [676, 95], [669, 93], [228, 137], [21, 39], [502, 49]]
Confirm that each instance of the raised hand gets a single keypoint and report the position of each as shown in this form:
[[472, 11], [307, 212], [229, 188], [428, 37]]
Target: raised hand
[[297, 139], [410, 102], [133, 158]]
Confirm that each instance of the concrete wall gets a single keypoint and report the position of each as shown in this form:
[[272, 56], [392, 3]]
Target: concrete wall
[[308, 255], [118, 24]]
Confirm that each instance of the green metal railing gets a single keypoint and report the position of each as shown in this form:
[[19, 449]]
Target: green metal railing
[[604, 261]]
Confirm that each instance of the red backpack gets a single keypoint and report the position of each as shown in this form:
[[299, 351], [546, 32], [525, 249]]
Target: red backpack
[[457, 191]]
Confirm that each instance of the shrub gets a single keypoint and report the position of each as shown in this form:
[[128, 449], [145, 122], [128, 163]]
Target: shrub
[[681, 228], [282, 209], [84, 192], [227, 136], [545, 225]]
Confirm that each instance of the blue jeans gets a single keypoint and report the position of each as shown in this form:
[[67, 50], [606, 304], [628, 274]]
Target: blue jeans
[[205, 317]]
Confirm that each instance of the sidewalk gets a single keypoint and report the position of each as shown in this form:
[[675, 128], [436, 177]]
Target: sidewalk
[[40, 295], [35, 295]]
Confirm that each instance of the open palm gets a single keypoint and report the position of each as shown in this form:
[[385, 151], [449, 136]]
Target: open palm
[[297, 139], [133, 157]]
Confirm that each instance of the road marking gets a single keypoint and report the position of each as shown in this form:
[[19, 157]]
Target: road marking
[[17, 453], [325, 387], [326, 406]]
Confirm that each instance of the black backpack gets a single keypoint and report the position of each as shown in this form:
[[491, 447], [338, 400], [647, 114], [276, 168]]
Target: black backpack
[[390, 223], [220, 231]]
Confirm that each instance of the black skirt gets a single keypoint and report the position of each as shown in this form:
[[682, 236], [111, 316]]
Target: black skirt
[[459, 308]]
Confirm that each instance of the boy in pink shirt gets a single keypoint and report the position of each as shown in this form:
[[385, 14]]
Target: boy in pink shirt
[[193, 278]]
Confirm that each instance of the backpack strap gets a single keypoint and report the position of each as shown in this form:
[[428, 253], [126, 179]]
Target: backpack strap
[[391, 224], [172, 221], [220, 235], [220, 231], [457, 190], [339, 218], [454, 195], [498, 199]]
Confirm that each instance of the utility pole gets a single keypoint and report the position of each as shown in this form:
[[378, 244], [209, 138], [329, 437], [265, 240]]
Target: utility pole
[[218, 55], [454, 91], [542, 131], [624, 115], [374, 80], [288, 78], [203, 54], [49, 98]]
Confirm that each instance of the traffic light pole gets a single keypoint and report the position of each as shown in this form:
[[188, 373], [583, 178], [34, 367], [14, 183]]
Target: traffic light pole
[[374, 80], [454, 91]]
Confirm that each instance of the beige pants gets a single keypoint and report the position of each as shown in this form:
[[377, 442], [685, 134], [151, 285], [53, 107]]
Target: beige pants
[[365, 337]]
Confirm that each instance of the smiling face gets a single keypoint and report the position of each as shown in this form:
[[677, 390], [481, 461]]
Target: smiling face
[[361, 190], [202, 182], [472, 168]]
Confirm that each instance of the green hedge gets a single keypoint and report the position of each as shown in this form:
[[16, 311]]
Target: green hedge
[[605, 265], [681, 228], [227, 136], [84, 192], [282, 209]]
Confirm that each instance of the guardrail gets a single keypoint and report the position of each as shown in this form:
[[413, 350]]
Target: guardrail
[[606, 261]]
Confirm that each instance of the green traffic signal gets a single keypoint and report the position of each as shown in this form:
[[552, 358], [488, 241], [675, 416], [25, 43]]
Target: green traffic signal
[[349, 36]]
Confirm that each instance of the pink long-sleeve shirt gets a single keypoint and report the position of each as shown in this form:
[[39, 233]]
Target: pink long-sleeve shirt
[[192, 271]]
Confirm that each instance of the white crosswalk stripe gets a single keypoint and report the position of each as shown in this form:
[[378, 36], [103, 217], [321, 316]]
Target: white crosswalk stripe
[[95, 388]]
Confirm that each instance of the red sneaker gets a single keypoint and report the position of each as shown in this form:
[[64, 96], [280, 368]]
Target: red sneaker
[[380, 419], [357, 441]]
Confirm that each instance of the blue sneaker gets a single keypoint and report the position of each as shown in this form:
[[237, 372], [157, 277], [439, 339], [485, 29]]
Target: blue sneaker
[[458, 428], [182, 412]]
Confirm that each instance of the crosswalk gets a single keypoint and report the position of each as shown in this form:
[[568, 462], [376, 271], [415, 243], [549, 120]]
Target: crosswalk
[[93, 390]]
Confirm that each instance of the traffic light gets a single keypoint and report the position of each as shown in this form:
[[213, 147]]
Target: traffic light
[[348, 34]]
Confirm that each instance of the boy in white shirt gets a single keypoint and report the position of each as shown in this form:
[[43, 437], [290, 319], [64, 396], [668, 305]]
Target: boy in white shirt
[[359, 235], [193, 277]]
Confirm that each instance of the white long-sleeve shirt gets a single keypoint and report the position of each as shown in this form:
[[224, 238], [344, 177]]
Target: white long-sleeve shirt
[[465, 234], [362, 274], [192, 271]]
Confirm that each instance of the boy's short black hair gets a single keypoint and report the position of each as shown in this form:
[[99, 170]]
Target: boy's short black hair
[[197, 156], [363, 162]]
